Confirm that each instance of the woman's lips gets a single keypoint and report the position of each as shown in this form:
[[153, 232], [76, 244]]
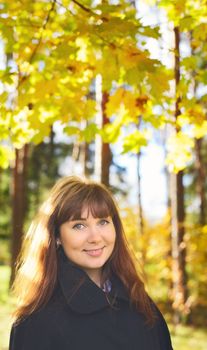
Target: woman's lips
[[94, 252]]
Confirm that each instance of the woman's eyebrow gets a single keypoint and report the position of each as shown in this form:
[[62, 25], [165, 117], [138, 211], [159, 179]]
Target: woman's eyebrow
[[78, 219], [84, 219]]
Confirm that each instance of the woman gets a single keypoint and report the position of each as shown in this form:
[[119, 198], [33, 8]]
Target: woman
[[77, 284]]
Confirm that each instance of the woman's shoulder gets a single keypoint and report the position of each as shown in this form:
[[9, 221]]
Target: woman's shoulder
[[37, 327], [34, 323], [48, 311], [161, 328]]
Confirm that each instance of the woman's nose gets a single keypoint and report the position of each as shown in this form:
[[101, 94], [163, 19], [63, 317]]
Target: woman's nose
[[93, 234]]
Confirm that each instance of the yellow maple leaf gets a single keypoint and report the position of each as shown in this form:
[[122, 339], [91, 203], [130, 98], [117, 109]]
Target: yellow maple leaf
[[126, 102], [179, 147], [200, 130], [130, 56]]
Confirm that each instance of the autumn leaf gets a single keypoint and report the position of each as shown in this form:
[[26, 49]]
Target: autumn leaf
[[6, 156], [179, 148], [135, 141]]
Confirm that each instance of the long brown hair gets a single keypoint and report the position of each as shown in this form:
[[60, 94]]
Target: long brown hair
[[36, 276]]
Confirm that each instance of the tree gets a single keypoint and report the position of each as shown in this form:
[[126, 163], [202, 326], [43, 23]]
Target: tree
[[18, 202], [52, 68]]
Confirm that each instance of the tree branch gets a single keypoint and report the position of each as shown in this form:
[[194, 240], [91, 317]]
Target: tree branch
[[84, 8], [40, 39]]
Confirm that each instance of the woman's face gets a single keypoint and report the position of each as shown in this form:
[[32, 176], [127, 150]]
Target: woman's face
[[88, 242]]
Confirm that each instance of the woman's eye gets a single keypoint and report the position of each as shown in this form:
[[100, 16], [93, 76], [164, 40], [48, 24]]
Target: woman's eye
[[78, 226], [103, 222]]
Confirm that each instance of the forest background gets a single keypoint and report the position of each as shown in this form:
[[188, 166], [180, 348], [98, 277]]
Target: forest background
[[82, 82]]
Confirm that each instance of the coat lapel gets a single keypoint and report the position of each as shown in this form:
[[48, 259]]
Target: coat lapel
[[80, 292]]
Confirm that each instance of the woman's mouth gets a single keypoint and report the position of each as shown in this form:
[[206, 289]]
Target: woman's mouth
[[94, 252]]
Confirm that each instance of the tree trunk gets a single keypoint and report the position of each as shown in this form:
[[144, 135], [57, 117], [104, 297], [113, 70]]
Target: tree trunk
[[18, 204], [200, 185], [178, 246], [106, 151], [83, 158], [178, 214], [199, 166], [103, 154]]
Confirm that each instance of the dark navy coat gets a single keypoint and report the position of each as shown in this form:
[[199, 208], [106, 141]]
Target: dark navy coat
[[79, 317]]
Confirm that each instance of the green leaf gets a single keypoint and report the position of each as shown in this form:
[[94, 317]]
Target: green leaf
[[72, 130], [90, 132], [134, 141], [6, 155], [152, 32], [111, 132]]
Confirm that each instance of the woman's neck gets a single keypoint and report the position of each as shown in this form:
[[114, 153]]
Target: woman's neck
[[94, 275]]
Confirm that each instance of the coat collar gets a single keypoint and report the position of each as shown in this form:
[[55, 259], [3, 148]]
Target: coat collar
[[80, 292]]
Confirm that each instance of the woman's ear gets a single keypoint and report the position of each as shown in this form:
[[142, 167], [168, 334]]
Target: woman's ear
[[58, 242]]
